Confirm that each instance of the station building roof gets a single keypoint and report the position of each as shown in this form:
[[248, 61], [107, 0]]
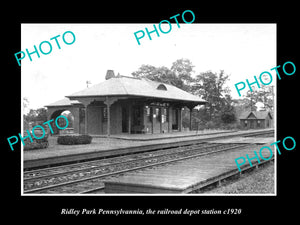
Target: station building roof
[[141, 87], [257, 114], [63, 102]]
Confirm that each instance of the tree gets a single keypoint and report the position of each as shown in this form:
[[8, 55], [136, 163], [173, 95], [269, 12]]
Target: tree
[[25, 104], [179, 75], [36, 115], [263, 95], [145, 71], [70, 118], [183, 69], [228, 116], [159, 74], [211, 87], [25, 109]]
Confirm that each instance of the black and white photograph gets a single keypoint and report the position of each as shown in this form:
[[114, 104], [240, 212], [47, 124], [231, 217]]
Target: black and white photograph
[[180, 113]]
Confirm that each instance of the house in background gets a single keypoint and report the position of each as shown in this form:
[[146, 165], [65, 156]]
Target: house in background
[[124, 104], [256, 120]]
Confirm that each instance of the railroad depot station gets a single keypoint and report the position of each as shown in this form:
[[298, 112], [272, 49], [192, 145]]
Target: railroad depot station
[[122, 104], [128, 108]]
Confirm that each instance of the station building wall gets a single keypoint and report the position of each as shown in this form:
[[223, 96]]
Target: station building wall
[[256, 123], [97, 119], [142, 116]]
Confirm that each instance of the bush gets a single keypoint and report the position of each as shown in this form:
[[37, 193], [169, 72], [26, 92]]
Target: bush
[[74, 139], [35, 145], [211, 125], [228, 117]]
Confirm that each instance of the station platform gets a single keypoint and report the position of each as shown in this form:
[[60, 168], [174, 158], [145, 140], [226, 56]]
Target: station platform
[[160, 136], [184, 176], [118, 145]]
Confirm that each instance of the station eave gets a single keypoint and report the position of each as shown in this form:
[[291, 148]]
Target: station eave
[[195, 101]]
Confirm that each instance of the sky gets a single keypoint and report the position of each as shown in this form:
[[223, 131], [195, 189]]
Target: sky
[[241, 50]]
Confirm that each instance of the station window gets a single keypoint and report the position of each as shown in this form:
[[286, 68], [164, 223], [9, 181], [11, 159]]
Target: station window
[[148, 111], [164, 115], [157, 114], [104, 114], [157, 111], [136, 110]]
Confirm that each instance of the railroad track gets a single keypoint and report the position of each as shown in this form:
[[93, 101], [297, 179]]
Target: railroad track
[[88, 177], [88, 156]]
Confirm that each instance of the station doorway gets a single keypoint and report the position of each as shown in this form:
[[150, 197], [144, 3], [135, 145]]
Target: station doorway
[[132, 120], [174, 119]]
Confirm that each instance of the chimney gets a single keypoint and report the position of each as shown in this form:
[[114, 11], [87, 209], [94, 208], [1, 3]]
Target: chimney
[[109, 74]]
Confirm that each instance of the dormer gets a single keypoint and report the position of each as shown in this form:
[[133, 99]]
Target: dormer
[[162, 87]]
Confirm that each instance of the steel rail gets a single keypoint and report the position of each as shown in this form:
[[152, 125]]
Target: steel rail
[[128, 170], [91, 164], [88, 156]]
